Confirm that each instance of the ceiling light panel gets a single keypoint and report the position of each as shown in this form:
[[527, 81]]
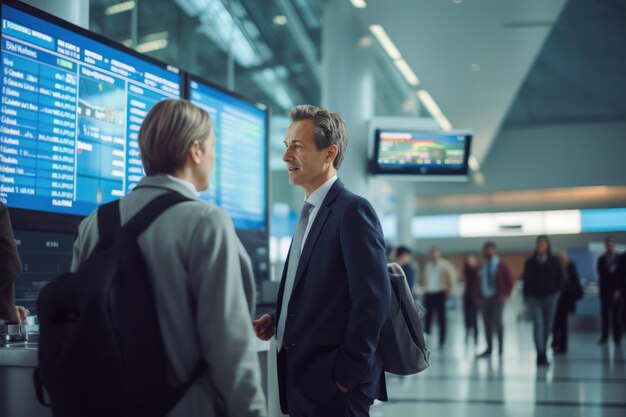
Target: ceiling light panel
[[119, 8], [386, 42], [359, 4]]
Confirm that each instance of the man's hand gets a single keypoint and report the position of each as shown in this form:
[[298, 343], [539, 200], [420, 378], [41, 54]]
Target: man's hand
[[264, 327], [22, 314], [341, 387]]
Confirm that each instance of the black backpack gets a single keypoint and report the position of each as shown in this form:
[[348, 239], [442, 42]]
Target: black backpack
[[101, 353]]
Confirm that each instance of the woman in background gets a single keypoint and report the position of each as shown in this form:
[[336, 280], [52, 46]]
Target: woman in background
[[543, 280], [470, 309], [572, 292]]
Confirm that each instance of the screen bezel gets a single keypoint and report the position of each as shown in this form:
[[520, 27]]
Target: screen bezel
[[27, 219], [422, 171], [187, 79]]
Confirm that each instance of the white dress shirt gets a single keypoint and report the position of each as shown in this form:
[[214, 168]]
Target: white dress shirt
[[433, 277], [185, 183], [316, 199]]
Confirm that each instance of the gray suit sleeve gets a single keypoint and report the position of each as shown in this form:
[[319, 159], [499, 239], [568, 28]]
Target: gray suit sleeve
[[223, 316], [247, 276]]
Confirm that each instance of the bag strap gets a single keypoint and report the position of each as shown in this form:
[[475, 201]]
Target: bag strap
[[109, 224], [140, 221]]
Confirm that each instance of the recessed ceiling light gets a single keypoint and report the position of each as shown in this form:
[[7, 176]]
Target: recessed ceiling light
[[359, 4], [280, 20], [365, 41], [475, 67], [457, 1], [120, 8]]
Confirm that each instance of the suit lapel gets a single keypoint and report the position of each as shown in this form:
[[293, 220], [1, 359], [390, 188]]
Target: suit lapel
[[316, 229]]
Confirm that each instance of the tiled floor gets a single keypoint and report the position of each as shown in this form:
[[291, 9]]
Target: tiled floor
[[588, 381]]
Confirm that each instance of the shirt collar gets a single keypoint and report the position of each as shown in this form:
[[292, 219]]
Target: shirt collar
[[185, 183], [317, 197]]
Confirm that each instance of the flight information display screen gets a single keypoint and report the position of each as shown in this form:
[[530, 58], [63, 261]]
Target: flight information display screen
[[238, 183], [71, 108], [422, 153]]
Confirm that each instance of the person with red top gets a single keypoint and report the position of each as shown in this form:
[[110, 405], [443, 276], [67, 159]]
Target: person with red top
[[495, 287]]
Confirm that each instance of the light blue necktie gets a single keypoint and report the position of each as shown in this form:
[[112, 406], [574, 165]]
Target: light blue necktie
[[292, 268]]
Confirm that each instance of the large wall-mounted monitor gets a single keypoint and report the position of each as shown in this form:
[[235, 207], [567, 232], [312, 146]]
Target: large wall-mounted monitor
[[239, 182], [422, 154], [72, 103]]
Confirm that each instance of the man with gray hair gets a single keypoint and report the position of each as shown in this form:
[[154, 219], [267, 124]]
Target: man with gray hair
[[334, 294]]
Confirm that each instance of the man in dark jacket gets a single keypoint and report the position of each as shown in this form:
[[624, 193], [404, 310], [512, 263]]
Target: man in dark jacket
[[543, 279], [404, 257], [610, 292], [335, 292]]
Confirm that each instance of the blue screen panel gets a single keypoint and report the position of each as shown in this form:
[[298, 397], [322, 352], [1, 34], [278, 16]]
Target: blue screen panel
[[70, 114], [603, 220], [239, 181]]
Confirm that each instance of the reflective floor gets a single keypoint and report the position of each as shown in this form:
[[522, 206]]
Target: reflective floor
[[588, 381]]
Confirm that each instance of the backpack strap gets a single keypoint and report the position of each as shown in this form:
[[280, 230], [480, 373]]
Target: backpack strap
[[140, 221], [109, 223]]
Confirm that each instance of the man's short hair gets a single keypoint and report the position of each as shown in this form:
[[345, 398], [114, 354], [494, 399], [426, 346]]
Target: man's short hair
[[402, 250], [330, 128], [609, 238], [490, 244], [167, 133]]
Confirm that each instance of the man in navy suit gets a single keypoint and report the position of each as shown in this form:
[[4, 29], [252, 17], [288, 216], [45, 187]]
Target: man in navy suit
[[334, 294]]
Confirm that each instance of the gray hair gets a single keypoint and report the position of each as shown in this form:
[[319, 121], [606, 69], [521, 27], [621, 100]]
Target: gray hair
[[330, 128]]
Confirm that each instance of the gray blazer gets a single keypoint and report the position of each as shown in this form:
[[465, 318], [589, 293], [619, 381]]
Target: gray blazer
[[204, 291]]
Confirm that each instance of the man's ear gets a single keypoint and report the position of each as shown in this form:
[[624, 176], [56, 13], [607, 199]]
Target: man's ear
[[195, 152], [331, 153]]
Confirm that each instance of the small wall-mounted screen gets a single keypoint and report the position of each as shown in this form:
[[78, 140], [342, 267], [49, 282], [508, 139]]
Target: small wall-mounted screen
[[421, 153]]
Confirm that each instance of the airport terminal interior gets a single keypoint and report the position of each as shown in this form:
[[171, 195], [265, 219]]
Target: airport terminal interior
[[469, 121]]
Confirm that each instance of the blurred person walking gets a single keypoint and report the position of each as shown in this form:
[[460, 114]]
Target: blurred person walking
[[543, 280], [404, 258], [610, 292], [572, 292], [437, 282], [471, 276], [496, 285]]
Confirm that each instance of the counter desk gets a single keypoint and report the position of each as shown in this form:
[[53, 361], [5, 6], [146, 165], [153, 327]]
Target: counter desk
[[18, 360]]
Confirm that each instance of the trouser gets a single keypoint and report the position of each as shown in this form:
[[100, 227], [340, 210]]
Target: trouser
[[470, 314], [492, 309], [559, 332], [350, 404], [611, 310], [541, 309], [435, 304]]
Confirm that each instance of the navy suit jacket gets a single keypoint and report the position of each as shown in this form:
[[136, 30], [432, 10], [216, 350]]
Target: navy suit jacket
[[338, 305]]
